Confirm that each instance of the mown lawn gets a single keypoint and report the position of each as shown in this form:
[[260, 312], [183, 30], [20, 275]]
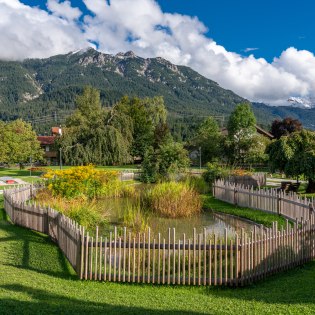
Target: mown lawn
[[210, 203], [35, 278]]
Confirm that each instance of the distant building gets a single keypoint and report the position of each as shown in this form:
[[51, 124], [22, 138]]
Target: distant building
[[48, 144], [259, 130]]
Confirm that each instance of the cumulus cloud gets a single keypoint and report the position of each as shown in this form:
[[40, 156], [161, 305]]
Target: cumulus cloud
[[63, 9], [141, 26], [27, 32]]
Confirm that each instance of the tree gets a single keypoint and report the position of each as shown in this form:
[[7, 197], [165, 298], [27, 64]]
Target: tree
[[149, 123], [93, 135], [241, 131], [209, 139], [257, 150], [165, 162], [295, 154], [285, 127], [19, 143]]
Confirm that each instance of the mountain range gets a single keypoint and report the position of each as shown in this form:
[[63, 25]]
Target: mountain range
[[43, 91]]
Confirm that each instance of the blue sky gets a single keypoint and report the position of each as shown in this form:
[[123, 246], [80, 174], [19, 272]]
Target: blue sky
[[262, 50], [270, 25]]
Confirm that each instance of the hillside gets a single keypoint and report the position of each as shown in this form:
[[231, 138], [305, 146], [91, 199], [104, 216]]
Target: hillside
[[43, 90]]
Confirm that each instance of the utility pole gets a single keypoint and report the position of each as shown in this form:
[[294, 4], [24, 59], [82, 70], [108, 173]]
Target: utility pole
[[60, 149], [60, 158], [200, 158]]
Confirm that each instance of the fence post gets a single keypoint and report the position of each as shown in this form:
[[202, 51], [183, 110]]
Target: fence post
[[278, 204], [311, 210], [235, 196]]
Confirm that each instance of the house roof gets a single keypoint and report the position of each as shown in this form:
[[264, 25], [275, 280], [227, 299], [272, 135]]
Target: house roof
[[259, 130], [264, 132], [55, 130], [46, 140]]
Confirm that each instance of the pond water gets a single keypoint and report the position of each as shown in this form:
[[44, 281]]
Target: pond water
[[114, 210]]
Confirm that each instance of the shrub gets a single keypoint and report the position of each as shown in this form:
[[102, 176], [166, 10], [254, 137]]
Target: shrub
[[83, 181], [215, 171], [173, 199], [197, 183]]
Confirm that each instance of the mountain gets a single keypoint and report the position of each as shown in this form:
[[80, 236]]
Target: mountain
[[43, 91], [300, 102]]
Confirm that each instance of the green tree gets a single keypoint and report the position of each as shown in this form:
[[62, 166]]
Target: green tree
[[164, 163], [209, 139], [19, 143], [241, 131], [94, 135], [295, 154], [149, 123]]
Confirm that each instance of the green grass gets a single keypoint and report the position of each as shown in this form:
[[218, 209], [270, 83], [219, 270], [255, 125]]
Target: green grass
[[37, 279], [209, 202], [113, 168], [21, 174]]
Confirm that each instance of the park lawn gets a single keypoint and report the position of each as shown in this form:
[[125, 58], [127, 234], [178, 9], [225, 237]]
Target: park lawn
[[37, 279], [113, 168], [210, 203]]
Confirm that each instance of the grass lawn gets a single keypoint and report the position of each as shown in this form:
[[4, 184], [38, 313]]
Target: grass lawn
[[209, 202], [113, 168], [37, 279]]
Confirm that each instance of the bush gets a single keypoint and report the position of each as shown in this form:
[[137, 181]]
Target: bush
[[197, 183], [164, 163], [173, 200], [83, 181], [215, 171]]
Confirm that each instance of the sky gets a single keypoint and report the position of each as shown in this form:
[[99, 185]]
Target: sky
[[262, 50]]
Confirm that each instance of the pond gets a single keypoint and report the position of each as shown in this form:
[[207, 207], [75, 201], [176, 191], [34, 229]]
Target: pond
[[115, 210]]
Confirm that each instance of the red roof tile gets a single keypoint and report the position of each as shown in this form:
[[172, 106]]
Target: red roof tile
[[46, 140]]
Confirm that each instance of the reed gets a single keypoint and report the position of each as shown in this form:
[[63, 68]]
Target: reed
[[197, 183], [173, 200], [85, 211], [135, 217]]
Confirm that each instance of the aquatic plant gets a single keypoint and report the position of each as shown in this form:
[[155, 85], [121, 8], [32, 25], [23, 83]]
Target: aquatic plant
[[84, 211], [173, 199]]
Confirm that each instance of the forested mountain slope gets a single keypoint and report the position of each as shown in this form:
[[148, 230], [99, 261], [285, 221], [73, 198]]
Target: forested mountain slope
[[43, 91]]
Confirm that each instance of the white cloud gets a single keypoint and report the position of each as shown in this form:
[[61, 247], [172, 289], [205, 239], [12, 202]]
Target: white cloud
[[63, 9], [141, 26], [250, 49]]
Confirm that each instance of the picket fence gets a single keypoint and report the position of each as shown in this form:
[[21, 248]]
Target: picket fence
[[290, 206], [204, 259]]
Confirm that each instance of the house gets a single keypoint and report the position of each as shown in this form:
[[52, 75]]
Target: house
[[48, 144], [259, 131]]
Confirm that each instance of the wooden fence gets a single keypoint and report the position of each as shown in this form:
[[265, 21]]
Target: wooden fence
[[64, 231], [291, 205], [204, 259]]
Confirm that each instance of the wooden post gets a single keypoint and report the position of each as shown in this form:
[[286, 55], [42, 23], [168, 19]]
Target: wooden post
[[235, 196], [278, 204]]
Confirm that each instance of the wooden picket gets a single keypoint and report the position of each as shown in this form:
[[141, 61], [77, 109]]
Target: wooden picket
[[204, 259]]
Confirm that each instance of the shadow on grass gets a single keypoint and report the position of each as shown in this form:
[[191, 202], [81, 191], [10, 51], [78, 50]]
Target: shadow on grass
[[296, 286], [17, 172], [26, 252], [48, 303]]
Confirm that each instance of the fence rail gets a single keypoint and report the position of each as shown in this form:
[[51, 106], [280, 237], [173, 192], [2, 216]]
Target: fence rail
[[205, 259], [291, 205]]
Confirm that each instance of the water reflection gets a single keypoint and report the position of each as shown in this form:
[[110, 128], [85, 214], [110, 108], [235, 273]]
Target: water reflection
[[211, 222]]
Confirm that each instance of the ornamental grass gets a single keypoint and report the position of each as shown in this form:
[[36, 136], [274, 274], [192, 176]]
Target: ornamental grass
[[173, 200], [84, 211]]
